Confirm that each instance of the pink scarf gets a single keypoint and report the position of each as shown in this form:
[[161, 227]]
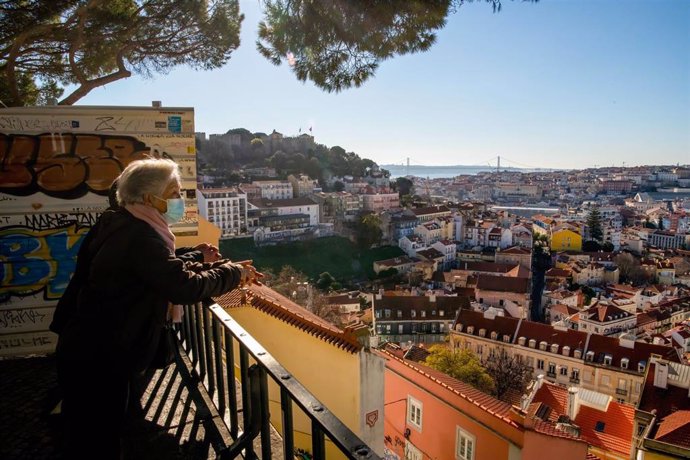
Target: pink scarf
[[155, 219]]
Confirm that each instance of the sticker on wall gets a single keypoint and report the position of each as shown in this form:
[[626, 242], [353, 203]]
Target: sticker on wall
[[372, 417], [175, 124]]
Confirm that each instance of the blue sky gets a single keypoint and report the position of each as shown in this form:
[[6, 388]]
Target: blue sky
[[559, 84]]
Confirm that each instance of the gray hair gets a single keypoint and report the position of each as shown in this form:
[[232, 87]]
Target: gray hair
[[145, 177]]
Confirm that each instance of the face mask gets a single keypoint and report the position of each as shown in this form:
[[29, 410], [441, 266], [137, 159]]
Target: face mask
[[175, 211]]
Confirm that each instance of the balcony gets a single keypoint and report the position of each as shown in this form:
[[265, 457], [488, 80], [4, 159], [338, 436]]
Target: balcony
[[621, 392], [574, 380], [551, 374], [212, 403]]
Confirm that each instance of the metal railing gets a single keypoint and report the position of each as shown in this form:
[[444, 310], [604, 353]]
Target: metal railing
[[621, 391], [209, 335]]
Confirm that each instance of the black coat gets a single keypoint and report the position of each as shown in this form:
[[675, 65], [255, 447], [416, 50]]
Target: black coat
[[116, 304]]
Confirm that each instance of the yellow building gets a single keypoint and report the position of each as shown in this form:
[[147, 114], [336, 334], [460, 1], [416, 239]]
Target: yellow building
[[330, 362], [566, 240]]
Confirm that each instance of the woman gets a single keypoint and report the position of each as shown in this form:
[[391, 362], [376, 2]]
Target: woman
[[122, 303]]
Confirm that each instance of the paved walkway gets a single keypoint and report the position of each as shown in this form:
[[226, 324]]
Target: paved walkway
[[169, 424]]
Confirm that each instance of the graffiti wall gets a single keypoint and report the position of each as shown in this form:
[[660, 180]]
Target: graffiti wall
[[56, 167]]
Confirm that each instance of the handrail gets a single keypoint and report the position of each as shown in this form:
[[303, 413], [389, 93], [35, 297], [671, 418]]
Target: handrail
[[208, 335]]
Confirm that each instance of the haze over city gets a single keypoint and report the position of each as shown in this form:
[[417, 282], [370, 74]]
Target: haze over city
[[553, 84]]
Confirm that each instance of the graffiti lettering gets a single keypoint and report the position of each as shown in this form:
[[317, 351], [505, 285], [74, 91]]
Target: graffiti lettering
[[38, 261], [58, 220], [17, 318], [64, 165], [18, 342], [25, 124], [104, 124]]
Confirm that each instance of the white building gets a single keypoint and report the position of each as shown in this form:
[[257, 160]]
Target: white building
[[226, 208], [274, 189]]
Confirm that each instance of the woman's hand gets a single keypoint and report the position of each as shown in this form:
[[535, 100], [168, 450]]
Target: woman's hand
[[249, 274], [209, 251]]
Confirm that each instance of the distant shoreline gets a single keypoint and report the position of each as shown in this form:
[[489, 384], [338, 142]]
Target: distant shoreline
[[439, 172]]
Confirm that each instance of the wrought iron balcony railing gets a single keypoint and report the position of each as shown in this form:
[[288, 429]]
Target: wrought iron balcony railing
[[209, 336]]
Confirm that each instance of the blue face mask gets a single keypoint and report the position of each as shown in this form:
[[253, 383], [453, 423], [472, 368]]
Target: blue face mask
[[175, 211]]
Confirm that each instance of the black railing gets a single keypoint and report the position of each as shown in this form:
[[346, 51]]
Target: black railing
[[209, 336], [621, 391]]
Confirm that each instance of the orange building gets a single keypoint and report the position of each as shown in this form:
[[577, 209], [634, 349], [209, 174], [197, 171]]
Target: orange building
[[429, 415]]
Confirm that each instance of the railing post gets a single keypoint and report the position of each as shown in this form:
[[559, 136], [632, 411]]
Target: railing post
[[246, 397], [218, 347], [232, 385], [186, 334], [265, 416], [208, 344], [318, 444], [288, 434], [198, 340]]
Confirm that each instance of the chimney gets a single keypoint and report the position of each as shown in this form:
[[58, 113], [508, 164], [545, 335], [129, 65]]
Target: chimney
[[432, 298], [661, 375], [573, 402], [539, 382], [379, 296]]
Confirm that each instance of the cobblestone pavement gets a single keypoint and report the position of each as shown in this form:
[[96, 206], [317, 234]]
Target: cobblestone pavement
[[166, 424]]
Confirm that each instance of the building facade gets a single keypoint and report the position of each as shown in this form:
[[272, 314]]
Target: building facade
[[226, 208]]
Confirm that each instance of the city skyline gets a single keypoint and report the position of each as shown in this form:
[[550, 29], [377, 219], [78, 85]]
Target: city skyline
[[549, 85]]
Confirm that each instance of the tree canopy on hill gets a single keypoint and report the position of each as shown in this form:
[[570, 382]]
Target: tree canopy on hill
[[259, 150]]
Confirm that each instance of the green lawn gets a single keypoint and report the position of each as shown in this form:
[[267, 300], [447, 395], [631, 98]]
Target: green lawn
[[335, 255]]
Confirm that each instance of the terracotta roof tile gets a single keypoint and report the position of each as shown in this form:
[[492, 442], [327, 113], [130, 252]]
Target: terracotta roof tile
[[503, 284], [663, 401], [603, 313], [485, 267], [430, 210], [449, 305], [617, 420], [675, 429], [641, 351], [272, 303], [518, 250]]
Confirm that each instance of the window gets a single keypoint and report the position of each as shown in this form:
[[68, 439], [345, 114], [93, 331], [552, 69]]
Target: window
[[564, 371], [414, 413], [388, 328], [480, 349], [400, 328], [540, 364], [552, 368], [530, 361], [423, 313], [399, 313], [414, 313], [387, 313], [605, 380], [575, 374], [464, 444]]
